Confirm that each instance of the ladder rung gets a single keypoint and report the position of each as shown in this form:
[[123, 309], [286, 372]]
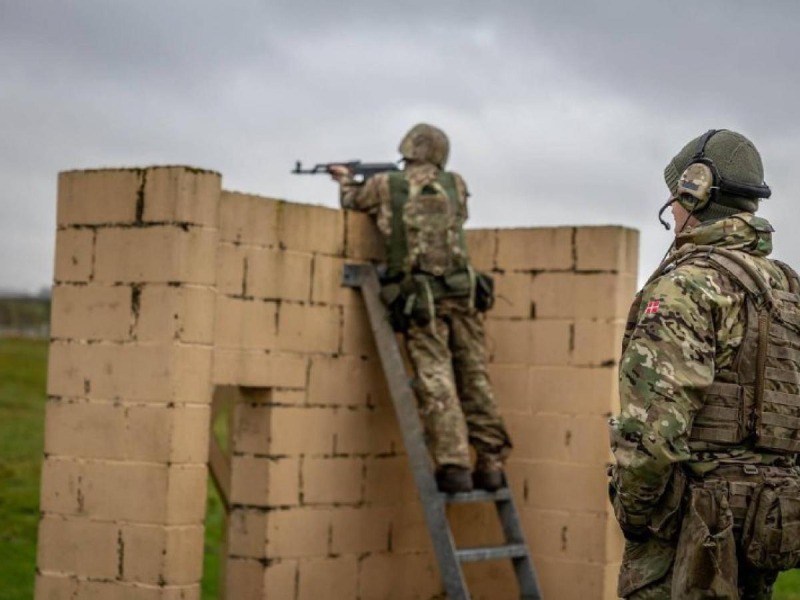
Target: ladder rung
[[501, 495], [492, 552]]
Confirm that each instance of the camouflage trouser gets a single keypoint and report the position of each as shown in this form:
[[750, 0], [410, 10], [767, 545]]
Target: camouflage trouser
[[753, 585], [452, 386]]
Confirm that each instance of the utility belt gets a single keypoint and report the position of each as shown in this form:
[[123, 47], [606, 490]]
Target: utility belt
[[737, 512], [412, 297]]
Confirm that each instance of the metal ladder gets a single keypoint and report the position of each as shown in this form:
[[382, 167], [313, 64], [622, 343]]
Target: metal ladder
[[434, 502]]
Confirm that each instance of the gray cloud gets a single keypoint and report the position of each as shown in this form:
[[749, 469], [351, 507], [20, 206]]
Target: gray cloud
[[558, 112]]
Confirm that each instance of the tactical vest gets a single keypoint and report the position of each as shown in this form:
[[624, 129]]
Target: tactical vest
[[427, 226], [756, 401]]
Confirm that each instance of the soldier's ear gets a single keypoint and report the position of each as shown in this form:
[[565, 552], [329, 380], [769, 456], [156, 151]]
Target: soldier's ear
[[696, 186]]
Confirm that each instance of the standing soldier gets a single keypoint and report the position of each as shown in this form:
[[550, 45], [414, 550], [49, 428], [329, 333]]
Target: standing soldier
[[435, 299], [705, 486]]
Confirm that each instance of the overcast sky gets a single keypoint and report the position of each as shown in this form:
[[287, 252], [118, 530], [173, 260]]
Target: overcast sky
[[558, 112]]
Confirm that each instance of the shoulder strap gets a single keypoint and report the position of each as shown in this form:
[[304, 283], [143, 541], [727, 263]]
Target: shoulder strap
[[397, 244], [791, 276], [738, 268]]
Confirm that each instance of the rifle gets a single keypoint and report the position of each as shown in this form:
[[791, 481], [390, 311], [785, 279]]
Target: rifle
[[359, 169]]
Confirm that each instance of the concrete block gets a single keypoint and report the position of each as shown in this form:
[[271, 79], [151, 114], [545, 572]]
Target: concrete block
[[363, 240], [327, 285], [361, 530], [511, 388], [248, 219], [167, 495], [367, 431], [245, 324], [475, 525], [328, 578], [280, 580], [482, 246], [168, 313], [388, 480], [582, 296], [512, 295], [538, 342], [158, 254], [259, 369], [98, 196], [231, 271], [57, 586], [298, 532], [181, 195], [560, 438], [265, 481], [162, 555], [157, 373], [91, 312], [296, 431], [492, 580], [278, 274], [332, 480], [244, 578], [598, 343], [105, 430], [386, 577], [78, 546], [74, 255], [608, 248], [246, 534], [561, 486], [540, 249], [409, 528], [308, 329], [357, 338], [345, 381], [565, 535], [307, 228], [567, 580], [573, 390]]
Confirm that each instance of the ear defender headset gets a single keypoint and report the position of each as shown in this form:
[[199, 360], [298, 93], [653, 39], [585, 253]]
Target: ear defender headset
[[701, 183]]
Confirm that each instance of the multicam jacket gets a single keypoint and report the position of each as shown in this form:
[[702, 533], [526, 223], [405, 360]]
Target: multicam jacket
[[421, 213], [685, 328]]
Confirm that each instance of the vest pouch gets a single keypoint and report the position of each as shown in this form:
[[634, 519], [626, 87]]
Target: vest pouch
[[458, 284], [484, 291], [394, 297], [666, 518], [705, 562], [771, 534]]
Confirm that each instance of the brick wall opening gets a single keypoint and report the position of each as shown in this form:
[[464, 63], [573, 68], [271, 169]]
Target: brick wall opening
[[171, 292]]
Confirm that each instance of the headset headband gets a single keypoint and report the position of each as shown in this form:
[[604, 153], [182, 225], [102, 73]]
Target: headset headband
[[730, 186]]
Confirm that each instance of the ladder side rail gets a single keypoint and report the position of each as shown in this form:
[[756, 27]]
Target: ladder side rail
[[523, 566], [405, 406]]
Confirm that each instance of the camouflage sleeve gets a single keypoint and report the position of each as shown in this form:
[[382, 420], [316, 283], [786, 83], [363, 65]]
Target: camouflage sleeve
[[463, 193], [365, 197], [668, 362]]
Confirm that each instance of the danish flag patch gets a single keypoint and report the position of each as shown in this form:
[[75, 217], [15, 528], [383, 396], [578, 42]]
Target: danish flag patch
[[652, 307]]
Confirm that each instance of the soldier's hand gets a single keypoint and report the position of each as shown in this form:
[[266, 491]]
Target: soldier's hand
[[338, 172]]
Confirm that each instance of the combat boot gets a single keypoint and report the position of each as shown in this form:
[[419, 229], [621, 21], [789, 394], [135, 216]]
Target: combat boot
[[452, 479], [488, 474]]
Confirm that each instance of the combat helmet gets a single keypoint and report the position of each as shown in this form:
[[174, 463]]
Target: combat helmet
[[426, 144], [716, 175]]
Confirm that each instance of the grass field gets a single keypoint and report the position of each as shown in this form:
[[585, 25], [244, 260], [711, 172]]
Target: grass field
[[23, 366], [22, 395]]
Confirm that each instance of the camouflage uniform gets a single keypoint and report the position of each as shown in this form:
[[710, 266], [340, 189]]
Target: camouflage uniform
[[672, 494], [448, 352]]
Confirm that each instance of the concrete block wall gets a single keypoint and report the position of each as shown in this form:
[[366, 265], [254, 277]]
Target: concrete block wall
[[195, 288], [129, 385]]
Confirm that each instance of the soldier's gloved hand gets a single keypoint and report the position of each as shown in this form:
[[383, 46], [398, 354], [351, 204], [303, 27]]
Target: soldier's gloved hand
[[339, 172]]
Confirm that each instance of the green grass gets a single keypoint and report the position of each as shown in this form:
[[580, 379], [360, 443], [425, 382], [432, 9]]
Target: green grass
[[23, 366], [23, 369]]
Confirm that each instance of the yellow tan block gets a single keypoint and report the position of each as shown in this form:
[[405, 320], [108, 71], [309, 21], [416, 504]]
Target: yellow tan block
[[91, 312], [98, 196], [74, 255], [181, 195]]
